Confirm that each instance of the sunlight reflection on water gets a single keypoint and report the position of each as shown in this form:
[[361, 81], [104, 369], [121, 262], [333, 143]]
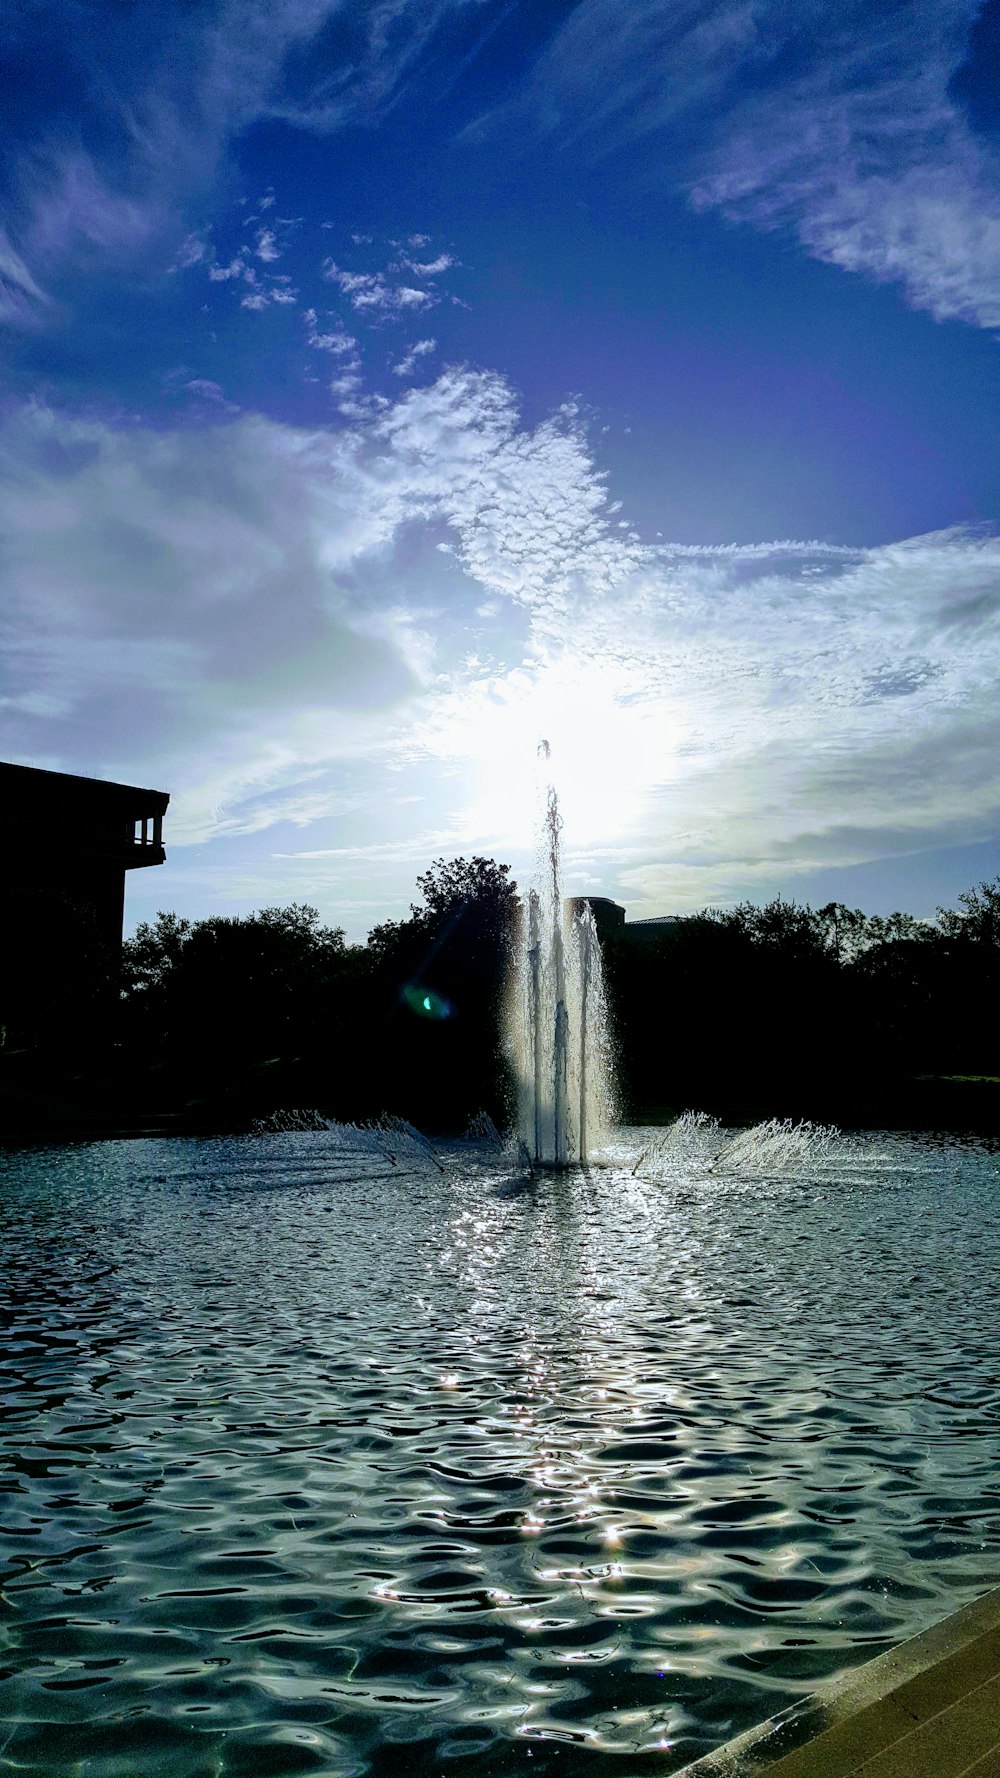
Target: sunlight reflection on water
[[315, 1460]]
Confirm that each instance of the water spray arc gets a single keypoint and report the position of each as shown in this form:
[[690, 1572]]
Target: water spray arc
[[558, 1035]]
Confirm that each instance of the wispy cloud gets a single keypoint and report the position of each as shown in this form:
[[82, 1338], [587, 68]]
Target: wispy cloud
[[263, 296], [841, 126], [266, 288], [201, 389], [163, 101], [872, 163], [347, 390], [431, 268], [339, 343], [347, 385], [192, 251], [370, 294], [717, 715], [389, 39], [409, 362], [21, 299]]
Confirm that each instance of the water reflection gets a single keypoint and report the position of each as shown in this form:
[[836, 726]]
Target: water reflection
[[310, 1459]]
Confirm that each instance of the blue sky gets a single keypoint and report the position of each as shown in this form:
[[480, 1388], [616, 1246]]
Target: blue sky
[[389, 385]]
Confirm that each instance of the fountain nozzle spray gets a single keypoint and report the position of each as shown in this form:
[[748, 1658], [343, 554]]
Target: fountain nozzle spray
[[558, 1034]]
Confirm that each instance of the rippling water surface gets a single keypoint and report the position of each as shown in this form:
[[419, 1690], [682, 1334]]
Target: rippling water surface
[[326, 1456]]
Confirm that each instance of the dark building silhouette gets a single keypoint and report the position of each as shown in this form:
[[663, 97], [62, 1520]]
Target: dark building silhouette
[[609, 918], [658, 926], [67, 844]]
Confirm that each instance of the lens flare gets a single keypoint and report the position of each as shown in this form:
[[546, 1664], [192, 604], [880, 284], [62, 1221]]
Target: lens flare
[[426, 1003]]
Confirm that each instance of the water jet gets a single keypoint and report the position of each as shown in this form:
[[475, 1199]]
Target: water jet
[[557, 1028]]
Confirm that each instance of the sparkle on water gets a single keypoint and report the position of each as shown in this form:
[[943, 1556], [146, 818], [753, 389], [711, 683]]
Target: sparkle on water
[[333, 1451]]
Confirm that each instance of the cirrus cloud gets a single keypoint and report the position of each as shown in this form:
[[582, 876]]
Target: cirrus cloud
[[841, 123]]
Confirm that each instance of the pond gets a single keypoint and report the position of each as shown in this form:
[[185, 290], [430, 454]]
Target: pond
[[332, 1453]]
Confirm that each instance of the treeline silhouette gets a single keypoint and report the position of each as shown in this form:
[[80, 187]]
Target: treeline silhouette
[[792, 1010], [273, 1009], [778, 1009], [753, 1011]]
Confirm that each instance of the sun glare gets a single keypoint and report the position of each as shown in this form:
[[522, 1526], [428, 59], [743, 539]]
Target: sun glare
[[608, 748]]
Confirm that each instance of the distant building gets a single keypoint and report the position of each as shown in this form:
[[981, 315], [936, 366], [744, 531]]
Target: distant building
[[67, 844], [609, 916], [654, 928]]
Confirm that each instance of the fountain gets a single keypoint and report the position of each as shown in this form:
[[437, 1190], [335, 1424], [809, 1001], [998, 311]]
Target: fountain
[[557, 1026]]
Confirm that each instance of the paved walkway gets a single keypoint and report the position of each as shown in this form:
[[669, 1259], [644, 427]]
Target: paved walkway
[[927, 1709]]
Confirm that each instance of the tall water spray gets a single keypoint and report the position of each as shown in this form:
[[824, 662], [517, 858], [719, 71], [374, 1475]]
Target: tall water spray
[[558, 1033]]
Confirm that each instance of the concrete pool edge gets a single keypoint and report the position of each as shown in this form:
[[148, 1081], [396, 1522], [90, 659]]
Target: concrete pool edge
[[844, 1725]]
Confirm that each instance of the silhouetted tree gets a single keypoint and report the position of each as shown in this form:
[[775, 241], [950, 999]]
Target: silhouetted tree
[[227, 990], [150, 956], [783, 928], [977, 919], [844, 930], [967, 954], [442, 973]]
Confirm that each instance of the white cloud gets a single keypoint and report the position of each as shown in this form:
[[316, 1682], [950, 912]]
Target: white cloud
[[271, 288], [339, 343], [267, 247], [408, 364], [369, 294], [432, 268], [261, 619], [526, 507], [346, 388], [174, 613]]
